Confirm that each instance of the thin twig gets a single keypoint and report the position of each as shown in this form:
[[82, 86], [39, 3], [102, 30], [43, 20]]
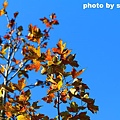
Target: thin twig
[[58, 107], [22, 65]]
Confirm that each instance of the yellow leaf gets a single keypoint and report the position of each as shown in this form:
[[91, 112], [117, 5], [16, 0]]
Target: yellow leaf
[[11, 85], [34, 50], [22, 98], [1, 94], [60, 83], [23, 117], [51, 79], [73, 91], [5, 4], [2, 12], [61, 45], [2, 69]]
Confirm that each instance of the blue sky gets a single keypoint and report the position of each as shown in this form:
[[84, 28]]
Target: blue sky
[[93, 34]]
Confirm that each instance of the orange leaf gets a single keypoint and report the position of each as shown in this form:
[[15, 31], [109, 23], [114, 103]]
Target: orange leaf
[[8, 114], [48, 55], [75, 74], [2, 12], [22, 98], [21, 83], [36, 65], [66, 53], [5, 4], [60, 48], [34, 34], [16, 61]]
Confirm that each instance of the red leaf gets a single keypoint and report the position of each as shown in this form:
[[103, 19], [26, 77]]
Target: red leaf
[[75, 74]]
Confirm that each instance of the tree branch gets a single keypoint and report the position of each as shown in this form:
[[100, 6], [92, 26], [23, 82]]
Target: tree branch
[[22, 65], [58, 107]]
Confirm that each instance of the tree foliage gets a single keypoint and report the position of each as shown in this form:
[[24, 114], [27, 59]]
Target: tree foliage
[[64, 85]]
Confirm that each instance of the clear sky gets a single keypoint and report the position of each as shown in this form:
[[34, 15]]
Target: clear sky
[[93, 34]]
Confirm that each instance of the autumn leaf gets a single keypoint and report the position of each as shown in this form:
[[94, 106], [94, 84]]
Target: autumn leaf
[[65, 115], [23, 117], [63, 95], [73, 107], [44, 69], [35, 106], [48, 55], [16, 61], [16, 14], [36, 65], [65, 53], [51, 79], [7, 37], [11, 23], [60, 48], [70, 60], [34, 52], [5, 4], [2, 12], [21, 84], [34, 34], [46, 22], [75, 74], [60, 83], [53, 16], [8, 89], [23, 72], [8, 114], [2, 69], [22, 98], [3, 51]]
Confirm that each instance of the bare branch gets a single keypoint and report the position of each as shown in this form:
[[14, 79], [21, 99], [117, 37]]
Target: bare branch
[[21, 66]]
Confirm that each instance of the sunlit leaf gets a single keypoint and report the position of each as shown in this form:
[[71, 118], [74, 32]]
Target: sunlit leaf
[[2, 12], [60, 48], [60, 83], [21, 84], [8, 114], [48, 55], [5, 4], [23, 117], [36, 65]]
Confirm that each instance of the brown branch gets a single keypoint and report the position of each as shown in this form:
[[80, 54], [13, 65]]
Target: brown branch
[[58, 107]]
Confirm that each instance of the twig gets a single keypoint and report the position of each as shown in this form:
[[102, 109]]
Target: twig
[[22, 65], [58, 107]]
